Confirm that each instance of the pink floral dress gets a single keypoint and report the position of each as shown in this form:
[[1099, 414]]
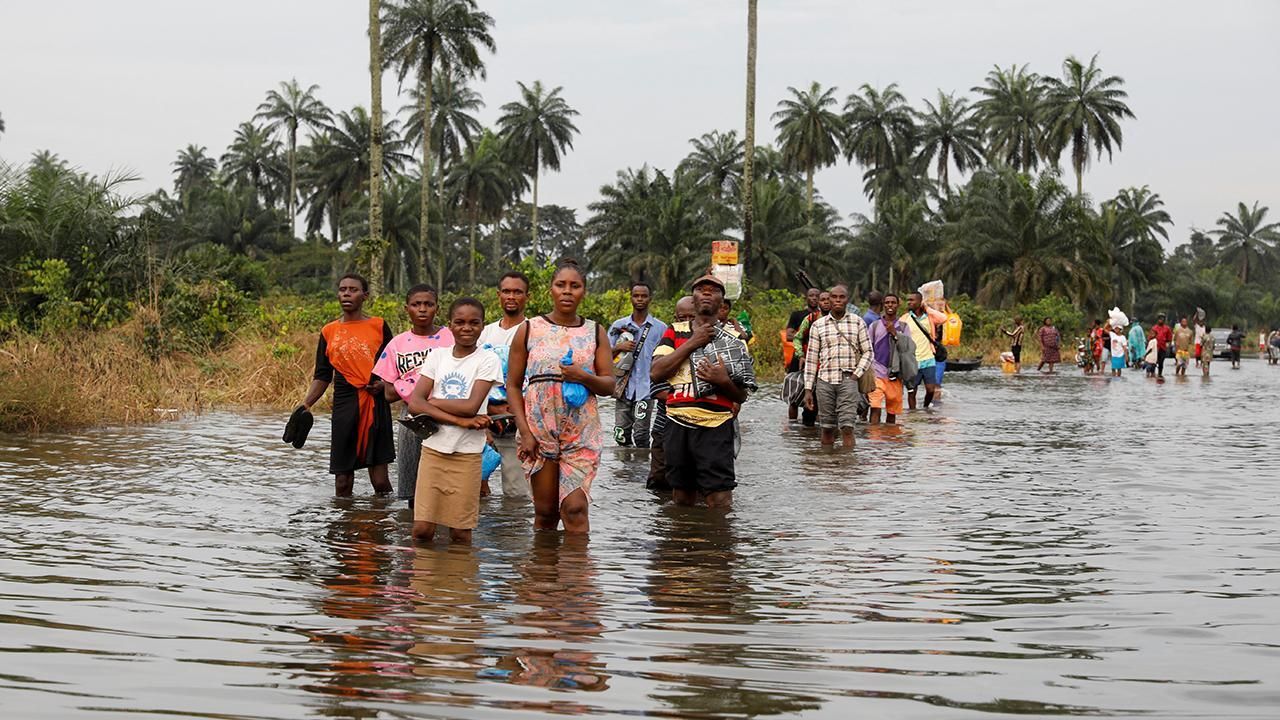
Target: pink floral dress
[[571, 436]]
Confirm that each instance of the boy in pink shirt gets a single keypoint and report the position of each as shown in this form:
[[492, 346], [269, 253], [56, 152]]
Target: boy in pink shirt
[[398, 366]]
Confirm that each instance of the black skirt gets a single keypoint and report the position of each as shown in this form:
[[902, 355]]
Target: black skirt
[[381, 449]]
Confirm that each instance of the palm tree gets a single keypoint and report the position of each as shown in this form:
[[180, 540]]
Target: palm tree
[[1246, 239], [422, 34], [481, 183], [949, 131], [878, 122], [377, 247], [454, 126], [192, 169], [1017, 239], [338, 167], [538, 128], [1082, 109], [253, 161], [715, 163], [292, 107], [1130, 223], [808, 132], [1011, 116], [749, 139]]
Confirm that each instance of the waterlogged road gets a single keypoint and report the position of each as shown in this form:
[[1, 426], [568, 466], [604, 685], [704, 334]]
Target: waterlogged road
[[1037, 546]]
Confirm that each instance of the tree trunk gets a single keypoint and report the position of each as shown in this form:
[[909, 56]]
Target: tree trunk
[[749, 141], [809, 184], [497, 244], [533, 227], [376, 248], [335, 215], [293, 179], [472, 255], [424, 229]]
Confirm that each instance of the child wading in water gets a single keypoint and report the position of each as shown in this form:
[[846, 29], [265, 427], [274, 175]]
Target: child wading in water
[[452, 390], [398, 367]]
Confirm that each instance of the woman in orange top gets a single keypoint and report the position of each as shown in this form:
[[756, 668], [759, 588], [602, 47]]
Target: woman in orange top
[[362, 435]]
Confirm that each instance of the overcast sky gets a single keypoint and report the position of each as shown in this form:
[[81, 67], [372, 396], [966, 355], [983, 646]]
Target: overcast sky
[[125, 84]]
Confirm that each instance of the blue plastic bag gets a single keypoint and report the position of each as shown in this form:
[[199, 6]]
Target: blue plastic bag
[[575, 394], [489, 461], [498, 393]]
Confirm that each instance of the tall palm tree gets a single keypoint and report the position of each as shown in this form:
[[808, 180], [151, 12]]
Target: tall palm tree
[[1247, 239], [454, 126], [749, 139], [291, 107], [715, 163], [481, 183], [538, 128], [338, 167], [422, 35], [949, 131], [253, 161], [377, 247], [878, 121], [809, 132], [192, 169], [1085, 108], [1010, 113]]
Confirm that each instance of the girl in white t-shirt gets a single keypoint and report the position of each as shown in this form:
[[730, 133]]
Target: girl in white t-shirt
[[452, 391]]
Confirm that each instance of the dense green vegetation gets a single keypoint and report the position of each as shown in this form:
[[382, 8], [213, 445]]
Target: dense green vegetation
[[969, 189]]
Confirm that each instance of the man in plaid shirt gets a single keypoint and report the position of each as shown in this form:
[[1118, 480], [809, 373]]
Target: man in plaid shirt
[[839, 353]]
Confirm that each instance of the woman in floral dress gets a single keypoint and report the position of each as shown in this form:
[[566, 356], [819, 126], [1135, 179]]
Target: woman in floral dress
[[560, 441]]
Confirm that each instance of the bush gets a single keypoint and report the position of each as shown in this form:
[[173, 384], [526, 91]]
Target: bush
[[195, 317]]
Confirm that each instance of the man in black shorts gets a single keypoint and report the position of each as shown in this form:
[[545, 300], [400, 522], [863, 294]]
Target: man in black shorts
[[709, 370]]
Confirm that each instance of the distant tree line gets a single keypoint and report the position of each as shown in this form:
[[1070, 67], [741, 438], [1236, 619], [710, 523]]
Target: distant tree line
[[969, 189]]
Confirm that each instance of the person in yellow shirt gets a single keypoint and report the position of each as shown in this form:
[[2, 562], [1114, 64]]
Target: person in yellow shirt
[[923, 323]]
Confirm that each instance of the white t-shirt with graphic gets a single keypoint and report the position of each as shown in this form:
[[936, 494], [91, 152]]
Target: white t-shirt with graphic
[[452, 379]]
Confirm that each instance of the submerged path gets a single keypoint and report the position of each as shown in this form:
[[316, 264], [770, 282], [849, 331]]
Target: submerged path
[[1060, 545]]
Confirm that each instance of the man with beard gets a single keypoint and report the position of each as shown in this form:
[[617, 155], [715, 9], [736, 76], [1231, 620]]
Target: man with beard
[[634, 339], [513, 296]]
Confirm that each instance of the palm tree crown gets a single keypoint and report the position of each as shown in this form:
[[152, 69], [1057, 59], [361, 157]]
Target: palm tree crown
[[538, 128], [808, 131], [878, 122], [1247, 239], [715, 163], [950, 132], [1010, 114], [253, 160], [1084, 108], [290, 108], [192, 168], [421, 35]]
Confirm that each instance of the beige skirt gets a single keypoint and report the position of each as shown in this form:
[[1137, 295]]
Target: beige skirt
[[448, 491]]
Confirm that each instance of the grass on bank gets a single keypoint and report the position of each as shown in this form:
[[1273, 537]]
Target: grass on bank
[[261, 355]]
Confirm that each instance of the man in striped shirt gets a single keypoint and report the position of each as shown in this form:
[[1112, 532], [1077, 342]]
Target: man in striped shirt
[[839, 353]]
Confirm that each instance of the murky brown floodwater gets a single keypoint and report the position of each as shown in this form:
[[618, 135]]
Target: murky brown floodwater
[[1038, 546]]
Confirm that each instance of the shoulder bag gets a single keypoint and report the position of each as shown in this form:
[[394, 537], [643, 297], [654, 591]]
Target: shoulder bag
[[620, 385], [939, 352], [867, 381]]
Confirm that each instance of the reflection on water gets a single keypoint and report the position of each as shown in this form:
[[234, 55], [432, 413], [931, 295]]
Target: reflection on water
[[1036, 546]]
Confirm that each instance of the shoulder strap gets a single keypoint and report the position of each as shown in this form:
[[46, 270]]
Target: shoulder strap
[[927, 334]]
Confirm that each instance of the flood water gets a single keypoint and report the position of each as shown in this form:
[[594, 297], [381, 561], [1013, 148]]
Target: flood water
[[1035, 546]]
